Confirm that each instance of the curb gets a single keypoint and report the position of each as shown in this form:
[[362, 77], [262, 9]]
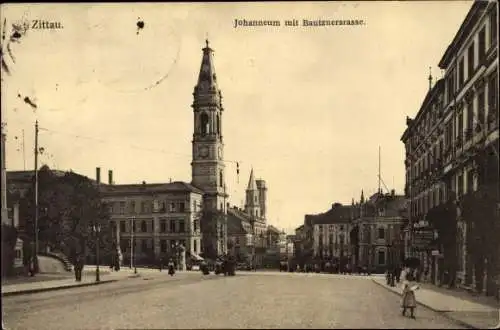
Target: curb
[[56, 288], [459, 322]]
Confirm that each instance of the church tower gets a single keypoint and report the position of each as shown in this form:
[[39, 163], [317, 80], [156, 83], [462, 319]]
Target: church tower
[[252, 205], [208, 148], [262, 188]]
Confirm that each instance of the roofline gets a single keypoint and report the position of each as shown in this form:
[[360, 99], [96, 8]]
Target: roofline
[[469, 21], [142, 189], [430, 96]]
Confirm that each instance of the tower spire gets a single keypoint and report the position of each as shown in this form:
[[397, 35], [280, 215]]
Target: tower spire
[[207, 79], [252, 185]]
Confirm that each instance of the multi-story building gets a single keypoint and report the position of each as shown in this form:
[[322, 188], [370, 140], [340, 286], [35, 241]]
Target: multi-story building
[[298, 244], [287, 248], [153, 220], [457, 128], [426, 146], [331, 240], [376, 232]]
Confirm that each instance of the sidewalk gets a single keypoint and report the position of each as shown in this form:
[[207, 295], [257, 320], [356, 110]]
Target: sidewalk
[[88, 279], [471, 312], [67, 280]]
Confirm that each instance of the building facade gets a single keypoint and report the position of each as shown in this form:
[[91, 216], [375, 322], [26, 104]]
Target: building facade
[[153, 220], [452, 144], [426, 143], [298, 243], [376, 232], [330, 234]]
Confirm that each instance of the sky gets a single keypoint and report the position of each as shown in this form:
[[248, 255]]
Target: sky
[[306, 107]]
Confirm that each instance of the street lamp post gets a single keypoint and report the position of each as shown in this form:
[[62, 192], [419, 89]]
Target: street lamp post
[[97, 229], [253, 246], [132, 245]]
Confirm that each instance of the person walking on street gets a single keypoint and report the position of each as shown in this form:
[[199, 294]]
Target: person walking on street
[[160, 263], [398, 274], [171, 268], [408, 300], [78, 267]]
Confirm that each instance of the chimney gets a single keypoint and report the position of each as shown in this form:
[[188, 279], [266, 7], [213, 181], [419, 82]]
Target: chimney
[[110, 177], [98, 174]]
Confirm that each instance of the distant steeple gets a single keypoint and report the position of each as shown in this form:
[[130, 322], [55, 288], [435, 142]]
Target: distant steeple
[[430, 78], [253, 205], [362, 196], [252, 185]]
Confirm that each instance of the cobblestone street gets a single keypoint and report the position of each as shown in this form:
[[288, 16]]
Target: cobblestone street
[[248, 300]]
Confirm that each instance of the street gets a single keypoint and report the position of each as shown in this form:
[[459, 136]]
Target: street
[[247, 300]]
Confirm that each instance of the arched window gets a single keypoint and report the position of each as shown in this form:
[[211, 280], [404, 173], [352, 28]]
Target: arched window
[[221, 179], [204, 123], [217, 125], [144, 227]]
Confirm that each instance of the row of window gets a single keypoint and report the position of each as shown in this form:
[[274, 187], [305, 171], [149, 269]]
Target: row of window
[[428, 200], [455, 80], [330, 227], [150, 206], [463, 183], [381, 234], [166, 226], [146, 245], [460, 128]]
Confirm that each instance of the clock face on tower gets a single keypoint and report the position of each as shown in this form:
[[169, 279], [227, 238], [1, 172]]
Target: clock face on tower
[[203, 151]]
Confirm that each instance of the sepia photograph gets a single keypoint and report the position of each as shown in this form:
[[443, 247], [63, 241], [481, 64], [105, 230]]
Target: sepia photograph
[[320, 165]]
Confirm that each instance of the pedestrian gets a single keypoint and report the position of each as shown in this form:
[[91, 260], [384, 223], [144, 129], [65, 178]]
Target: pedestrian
[[160, 263], [408, 300], [171, 268], [117, 262], [398, 274], [78, 268]]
